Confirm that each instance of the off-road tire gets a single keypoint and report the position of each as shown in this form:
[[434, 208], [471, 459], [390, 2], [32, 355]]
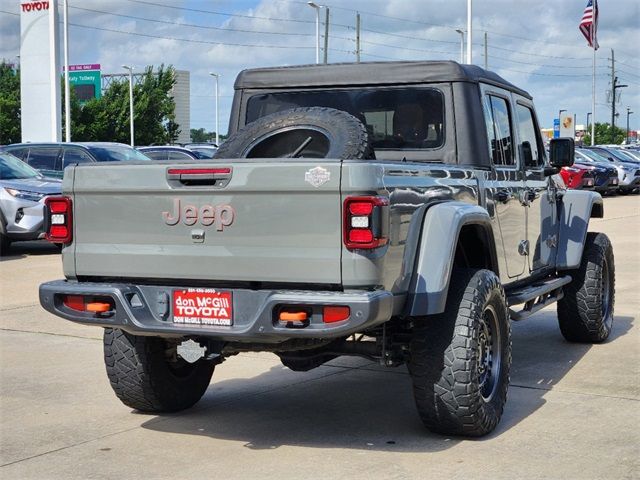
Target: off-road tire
[[5, 245], [144, 379], [585, 313], [447, 361], [346, 136]]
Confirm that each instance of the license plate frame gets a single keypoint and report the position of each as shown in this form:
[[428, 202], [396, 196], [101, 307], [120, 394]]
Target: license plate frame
[[206, 307]]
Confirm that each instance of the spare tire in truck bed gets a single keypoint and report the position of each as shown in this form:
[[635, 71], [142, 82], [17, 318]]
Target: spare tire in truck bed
[[313, 132]]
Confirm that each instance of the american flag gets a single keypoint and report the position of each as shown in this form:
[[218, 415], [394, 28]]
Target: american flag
[[589, 23]]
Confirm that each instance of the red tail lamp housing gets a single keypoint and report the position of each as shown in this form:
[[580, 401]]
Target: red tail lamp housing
[[365, 222], [81, 303], [334, 313], [59, 214]]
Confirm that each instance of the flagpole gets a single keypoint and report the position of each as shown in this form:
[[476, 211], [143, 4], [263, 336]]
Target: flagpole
[[593, 98]]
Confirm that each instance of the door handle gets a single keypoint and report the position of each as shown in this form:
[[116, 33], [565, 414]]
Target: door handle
[[503, 196], [527, 196]]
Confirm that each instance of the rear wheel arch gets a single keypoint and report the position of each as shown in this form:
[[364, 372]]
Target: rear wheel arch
[[476, 248], [454, 234]]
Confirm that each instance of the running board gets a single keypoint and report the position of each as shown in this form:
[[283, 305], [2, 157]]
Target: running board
[[536, 296]]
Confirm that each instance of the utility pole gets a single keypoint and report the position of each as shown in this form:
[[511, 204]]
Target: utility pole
[[486, 55], [613, 93], [357, 37], [614, 87], [326, 34]]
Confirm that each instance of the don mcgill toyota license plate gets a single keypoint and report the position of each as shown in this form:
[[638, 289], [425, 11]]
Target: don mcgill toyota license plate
[[202, 306]]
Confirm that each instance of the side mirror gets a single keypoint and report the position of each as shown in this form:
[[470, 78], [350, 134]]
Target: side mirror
[[562, 152]]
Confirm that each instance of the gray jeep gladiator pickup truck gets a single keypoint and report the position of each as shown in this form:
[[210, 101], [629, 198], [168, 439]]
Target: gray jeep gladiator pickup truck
[[401, 211]]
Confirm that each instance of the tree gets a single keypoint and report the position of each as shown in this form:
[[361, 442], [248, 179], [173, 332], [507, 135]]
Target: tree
[[603, 135], [107, 118], [10, 127], [200, 135]]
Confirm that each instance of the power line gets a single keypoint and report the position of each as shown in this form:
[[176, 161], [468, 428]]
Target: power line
[[225, 14], [406, 48], [628, 73], [188, 40], [379, 15], [551, 74], [191, 25], [628, 65]]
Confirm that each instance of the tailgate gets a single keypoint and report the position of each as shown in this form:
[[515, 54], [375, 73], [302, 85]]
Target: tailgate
[[256, 220]]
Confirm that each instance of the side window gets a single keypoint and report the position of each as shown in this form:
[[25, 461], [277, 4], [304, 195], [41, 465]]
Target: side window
[[156, 155], [17, 152], [498, 119], [527, 132], [75, 155], [179, 156], [43, 158]]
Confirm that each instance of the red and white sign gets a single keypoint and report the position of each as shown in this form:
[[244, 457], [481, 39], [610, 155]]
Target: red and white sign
[[202, 306]]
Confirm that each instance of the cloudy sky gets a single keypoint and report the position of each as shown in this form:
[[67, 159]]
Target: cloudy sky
[[535, 45]]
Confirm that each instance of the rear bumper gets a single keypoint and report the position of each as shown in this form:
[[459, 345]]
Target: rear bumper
[[146, 310], [629, 182]]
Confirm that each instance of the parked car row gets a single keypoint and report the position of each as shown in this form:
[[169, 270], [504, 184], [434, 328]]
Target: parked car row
[[22, 193], [605, 169], [31, 171], [173, 152], [51, 158]]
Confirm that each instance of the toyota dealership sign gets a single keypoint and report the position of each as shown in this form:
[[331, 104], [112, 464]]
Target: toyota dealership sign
[[40, 71]]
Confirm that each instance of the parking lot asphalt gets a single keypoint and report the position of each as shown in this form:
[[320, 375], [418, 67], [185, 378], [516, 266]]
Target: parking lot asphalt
[[573, 410]]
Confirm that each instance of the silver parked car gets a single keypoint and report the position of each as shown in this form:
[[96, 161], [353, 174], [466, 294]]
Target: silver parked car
[[22, 193]]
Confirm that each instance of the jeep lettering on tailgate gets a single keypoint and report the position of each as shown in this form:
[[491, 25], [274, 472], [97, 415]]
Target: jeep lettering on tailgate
[[207, 215]]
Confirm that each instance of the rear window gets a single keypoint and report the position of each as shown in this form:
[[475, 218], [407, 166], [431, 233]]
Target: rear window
[[116, 153], [398, 118], [156, 154], [43, 158]]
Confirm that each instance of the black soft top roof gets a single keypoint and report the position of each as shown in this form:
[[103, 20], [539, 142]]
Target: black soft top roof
[[369, 73]]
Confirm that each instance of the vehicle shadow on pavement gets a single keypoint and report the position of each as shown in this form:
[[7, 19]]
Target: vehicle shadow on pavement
[[20, 250], [352, 403]]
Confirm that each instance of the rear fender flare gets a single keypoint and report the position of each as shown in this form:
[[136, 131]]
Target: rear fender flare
[[436, 251], [577, 207]]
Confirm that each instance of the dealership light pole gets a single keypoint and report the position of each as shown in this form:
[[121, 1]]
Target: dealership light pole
[[560, 114], [461, 32], [588, 115], [67, 87], [216, 75], [317, 8], [629, 112], [130, 68]]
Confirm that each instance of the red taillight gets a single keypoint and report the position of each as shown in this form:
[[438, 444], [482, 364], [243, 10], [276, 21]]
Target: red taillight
[[199, 171], [81, 303], [74, 302], [364, 222], [331, 314], [360, 236], [360, 208], [59, 219]]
